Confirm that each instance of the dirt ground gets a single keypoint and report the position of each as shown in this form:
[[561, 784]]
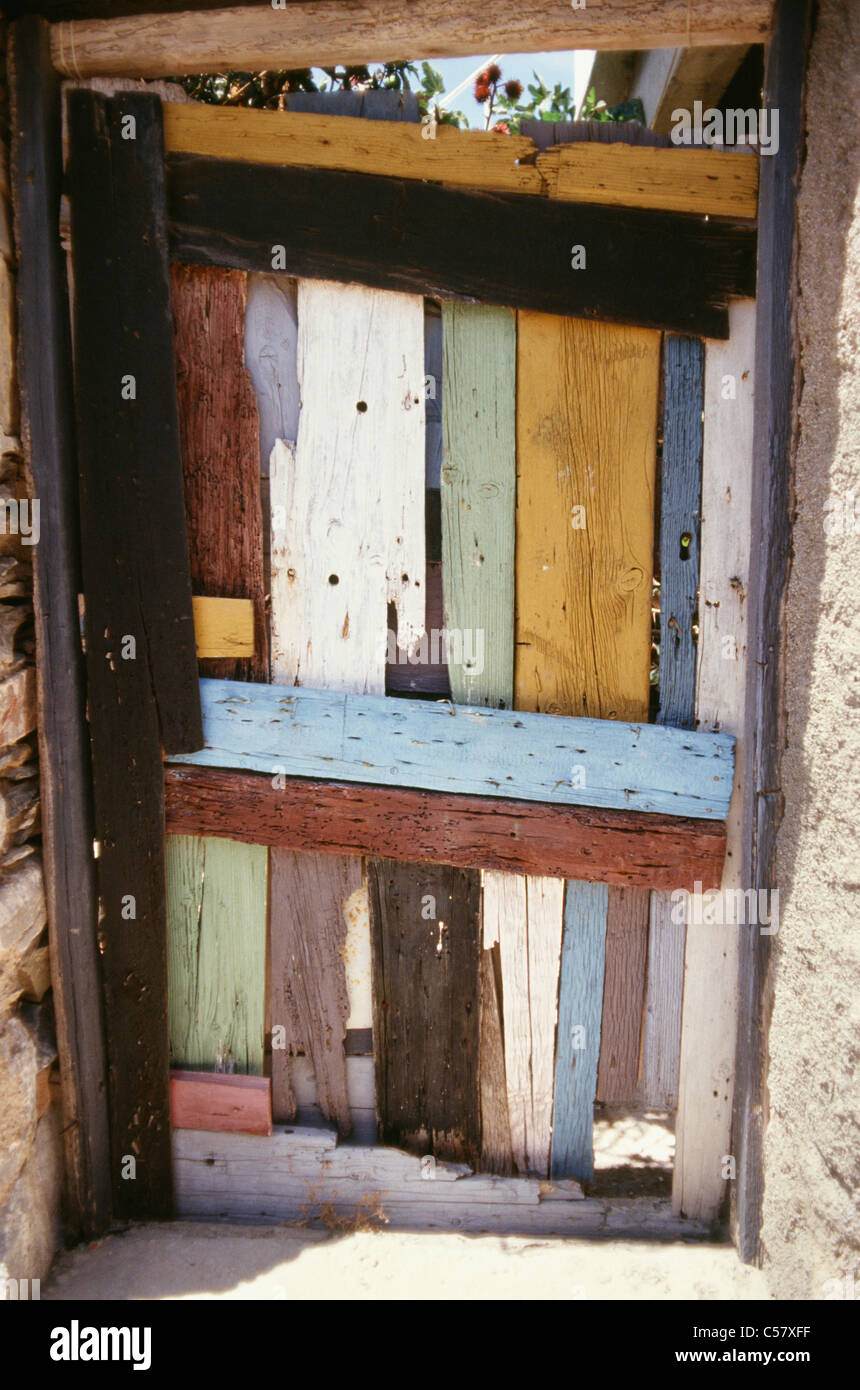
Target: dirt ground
[[188, 1261]]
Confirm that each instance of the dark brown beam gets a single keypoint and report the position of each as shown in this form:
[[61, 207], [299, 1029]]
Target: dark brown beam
[[621, 847], [654, 269], [142, 698], [47, 418]]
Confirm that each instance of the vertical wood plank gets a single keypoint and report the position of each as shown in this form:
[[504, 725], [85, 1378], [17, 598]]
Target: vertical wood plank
[[271, 346], [47, 422], [425, 930], [478, 488], [680, 505], [220, 450], [216, 952], [586, 443], [135, 593], [579, 1018], [777, 366], [623, 992], [347, 538], [309, 987], [586, 447], [496, 1154], [350, 510], [525, 916], [478, 485], [703, 1125]]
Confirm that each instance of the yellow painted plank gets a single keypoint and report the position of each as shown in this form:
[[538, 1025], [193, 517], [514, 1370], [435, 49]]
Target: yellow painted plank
[[682, 180], [399, 149], [586, 457], [223, 627], [638, 176]]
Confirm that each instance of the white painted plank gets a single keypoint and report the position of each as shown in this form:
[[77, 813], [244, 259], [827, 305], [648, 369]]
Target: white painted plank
[[525, 916], [703, 1127], [348, 508]]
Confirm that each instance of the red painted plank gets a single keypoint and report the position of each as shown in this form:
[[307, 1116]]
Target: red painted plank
[[216, 1101], [628, 848]]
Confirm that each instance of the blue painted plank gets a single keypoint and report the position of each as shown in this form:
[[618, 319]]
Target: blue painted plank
[[437, 746], [680, 504], [580, 1006]]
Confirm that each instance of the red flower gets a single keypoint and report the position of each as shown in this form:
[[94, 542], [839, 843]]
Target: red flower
[[493, 73], [513, 90], [501, 128], [482, 90]]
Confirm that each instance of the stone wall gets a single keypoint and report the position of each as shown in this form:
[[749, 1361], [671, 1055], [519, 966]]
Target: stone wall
[[811, 1231], [30, 1158]]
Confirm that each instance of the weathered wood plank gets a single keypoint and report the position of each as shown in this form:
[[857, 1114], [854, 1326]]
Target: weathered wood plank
[[220, 450], [47, 413], [524, 915], [440, 747], [679, 180], [216, 952], [680, 506], [623, 847], [496, 1154], [347, 531], [584, 563], [422, 238], [478, 499], [627, 914], [309, 1000], [321, 34], [584, 569], [703, 1124], [223, 627], [131, 512], [718, 183], [680, 503], [425, 933], [478, 493], [217, 1102], [347, 540], [777, 368], [271, 345], [141, 430], [579, 1018]]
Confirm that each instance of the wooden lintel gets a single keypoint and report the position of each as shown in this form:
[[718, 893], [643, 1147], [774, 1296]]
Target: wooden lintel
[[249, 39]]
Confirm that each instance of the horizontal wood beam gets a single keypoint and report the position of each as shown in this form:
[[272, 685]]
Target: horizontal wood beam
[[621, 847], [323, 32], [223, 627], [288, 731], [681, 180], [499, 248], [640, 176]]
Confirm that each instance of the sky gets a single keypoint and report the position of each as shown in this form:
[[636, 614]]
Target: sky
[[570, 69]]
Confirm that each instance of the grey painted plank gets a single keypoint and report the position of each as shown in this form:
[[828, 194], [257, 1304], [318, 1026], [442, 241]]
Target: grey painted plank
[[680, 503]]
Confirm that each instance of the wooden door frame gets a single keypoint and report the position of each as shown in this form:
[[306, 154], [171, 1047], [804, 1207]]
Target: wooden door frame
[[47, 416]]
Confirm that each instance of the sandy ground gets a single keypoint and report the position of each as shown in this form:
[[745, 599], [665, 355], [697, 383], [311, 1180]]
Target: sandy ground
[[188, 1261]]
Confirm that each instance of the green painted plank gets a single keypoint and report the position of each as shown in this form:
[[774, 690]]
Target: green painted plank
[[216, 952], [479, 499]]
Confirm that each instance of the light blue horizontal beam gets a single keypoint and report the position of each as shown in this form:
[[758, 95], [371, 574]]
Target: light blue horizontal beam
[[436, 746]]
